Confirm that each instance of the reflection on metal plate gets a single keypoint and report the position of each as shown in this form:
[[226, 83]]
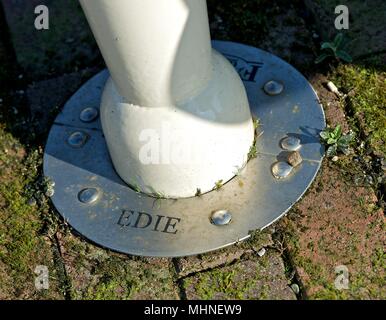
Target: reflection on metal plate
[[100, 206]]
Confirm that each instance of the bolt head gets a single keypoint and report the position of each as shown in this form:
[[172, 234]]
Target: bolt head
[[281, 170], [221, 217], [89, 195], [77, 139], [291, 144], [89, 115], [273, 88]]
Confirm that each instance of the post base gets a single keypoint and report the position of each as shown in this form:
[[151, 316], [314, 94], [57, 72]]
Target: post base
[[99, 205], [176, 151]]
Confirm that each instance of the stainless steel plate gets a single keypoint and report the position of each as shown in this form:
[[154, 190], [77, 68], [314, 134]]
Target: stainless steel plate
[[98, 204]]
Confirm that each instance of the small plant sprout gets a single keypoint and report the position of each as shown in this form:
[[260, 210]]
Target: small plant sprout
[[239, 170], [198, 193], [157, 194], [256, 123], [252, 152], [334, 49], [218, 185], [136, 188], [253, 149], [336, 142]]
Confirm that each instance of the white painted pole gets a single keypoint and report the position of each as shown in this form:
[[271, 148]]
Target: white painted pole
[[174, 113], [158, 51]]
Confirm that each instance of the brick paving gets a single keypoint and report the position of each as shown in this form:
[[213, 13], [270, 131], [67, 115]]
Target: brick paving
[[335, 224]]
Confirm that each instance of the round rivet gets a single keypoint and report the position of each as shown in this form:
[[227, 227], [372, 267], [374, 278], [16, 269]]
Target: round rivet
[[273, 88], [77, 139], [89, 195], [291, 144], [89, 115], [221, 217], [281, 170]]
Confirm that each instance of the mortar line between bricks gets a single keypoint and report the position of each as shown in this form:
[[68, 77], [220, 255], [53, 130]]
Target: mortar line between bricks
[[355, 124], [61, 267], [244, 257], [288, 262], [179, 283]]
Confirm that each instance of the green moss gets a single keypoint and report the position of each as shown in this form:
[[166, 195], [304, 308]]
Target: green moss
[[378, 261], [19, 224], [99, 275], [104, 291], [257, 240], [111, 281], [319, 282], [367, 101], [248, 279], [362, 285], [22, 244], [220, 283]]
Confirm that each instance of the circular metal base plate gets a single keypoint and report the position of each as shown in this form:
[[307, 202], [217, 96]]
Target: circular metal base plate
[[114, 216]]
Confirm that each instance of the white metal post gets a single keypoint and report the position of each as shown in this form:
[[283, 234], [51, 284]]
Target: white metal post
[[175, 113]]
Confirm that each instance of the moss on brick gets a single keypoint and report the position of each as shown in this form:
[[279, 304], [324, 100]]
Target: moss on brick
[[23, 245], [262, 278], [367, 100]]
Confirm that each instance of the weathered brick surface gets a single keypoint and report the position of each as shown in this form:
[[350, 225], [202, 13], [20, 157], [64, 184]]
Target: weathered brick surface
[[96, 273], [338, 223], [254, 278], [189, 265]]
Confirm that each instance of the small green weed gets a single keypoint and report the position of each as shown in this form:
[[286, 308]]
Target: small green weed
[[336, 142], [334, 49]]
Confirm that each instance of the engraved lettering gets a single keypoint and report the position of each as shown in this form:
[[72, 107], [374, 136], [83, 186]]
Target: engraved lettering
[[139, 220], [249, 75], [158, 222], [145, 221], [247, 70], [125, 217], [170, 227]]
